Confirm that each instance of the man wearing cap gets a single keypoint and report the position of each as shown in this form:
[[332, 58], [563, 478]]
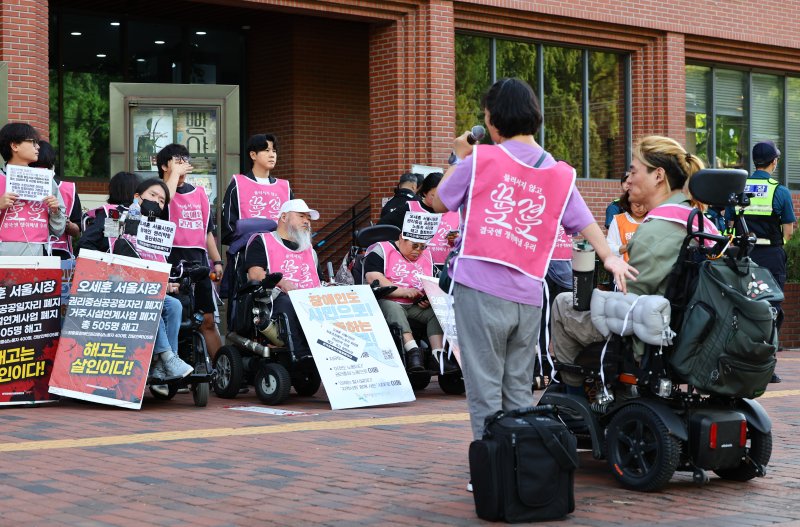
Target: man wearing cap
[[255, 194], [406, 191], [399, 264], [287, 250], [770, 217]]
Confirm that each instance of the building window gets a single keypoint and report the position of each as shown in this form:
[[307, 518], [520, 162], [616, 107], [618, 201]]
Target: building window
[[582, 93], [728, 111]]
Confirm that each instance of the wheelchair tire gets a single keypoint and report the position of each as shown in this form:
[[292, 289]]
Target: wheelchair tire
[[173, 389], [200, 394], [452, 383], [759, 451], [230, 372], [641, 452], [272, 383], [419, 380], [306, 383]]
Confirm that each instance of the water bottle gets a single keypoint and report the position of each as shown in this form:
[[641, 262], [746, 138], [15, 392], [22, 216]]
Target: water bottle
[[132, 219], [134, 212]]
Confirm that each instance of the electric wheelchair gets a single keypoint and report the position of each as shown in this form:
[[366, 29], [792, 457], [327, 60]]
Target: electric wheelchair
[[645, 418]]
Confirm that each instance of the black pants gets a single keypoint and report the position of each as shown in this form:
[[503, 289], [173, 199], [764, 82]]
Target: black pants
[[774, 259], [283, 304]]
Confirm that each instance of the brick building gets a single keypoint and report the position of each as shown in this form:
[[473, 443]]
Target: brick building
[[359, 91]]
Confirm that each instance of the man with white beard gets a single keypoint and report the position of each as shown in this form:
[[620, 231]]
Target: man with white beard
[[287, 250]]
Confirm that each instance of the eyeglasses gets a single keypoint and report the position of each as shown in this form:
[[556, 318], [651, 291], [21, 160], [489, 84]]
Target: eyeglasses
[[418, 246], [34, 142], [181, 159]]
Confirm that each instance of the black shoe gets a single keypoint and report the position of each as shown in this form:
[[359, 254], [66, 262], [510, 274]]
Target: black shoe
[[775, 379], [450, 364], [414, 360]]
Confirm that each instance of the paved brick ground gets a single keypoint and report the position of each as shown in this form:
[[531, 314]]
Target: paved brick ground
[[174, 464]]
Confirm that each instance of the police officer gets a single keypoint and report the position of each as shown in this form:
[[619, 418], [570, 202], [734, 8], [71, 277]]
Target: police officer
[[770, 217]]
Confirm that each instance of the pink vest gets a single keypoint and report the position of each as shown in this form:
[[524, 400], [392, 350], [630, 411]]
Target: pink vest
[[191, 213], [514, 210], [143, 253], [679, 214], [297, 266], [405, 273], [260, 201], [67, 190], [438, 245], [563, 248], [25, 221]]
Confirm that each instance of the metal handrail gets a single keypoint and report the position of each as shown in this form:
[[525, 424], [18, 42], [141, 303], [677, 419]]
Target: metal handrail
[[358, 213]]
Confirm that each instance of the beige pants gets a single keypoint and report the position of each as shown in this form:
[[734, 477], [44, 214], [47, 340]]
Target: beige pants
[[572, 331]]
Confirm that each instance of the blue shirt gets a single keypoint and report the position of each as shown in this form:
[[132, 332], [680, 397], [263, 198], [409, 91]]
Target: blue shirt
[[781, 201]]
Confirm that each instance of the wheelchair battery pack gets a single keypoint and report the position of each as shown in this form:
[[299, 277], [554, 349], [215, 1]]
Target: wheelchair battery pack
[[523, 469], [717, 438]]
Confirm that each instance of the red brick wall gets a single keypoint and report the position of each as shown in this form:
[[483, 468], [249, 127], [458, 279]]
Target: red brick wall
[[23, 45], [790, 331]]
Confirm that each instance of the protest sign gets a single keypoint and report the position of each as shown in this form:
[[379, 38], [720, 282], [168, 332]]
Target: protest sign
[[355, 353], [110, 328], [32, 184], [156, 236], [420, 227], [30, 290], [442, 305]]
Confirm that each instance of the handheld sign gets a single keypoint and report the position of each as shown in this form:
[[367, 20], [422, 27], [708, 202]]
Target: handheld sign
[[420, 227], [156, 236], [442, 305], [31, 184]]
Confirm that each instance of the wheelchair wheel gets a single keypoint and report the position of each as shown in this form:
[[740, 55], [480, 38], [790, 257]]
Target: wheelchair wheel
[[757, 454], [230, 372], [307, 382], [419, 380], [641, 452], [452, 383], [272, 383], [200, 394], [173, 389]]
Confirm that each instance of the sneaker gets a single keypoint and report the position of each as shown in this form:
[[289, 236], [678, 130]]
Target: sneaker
[[469, 486], [160, 389], [775, 379], [174, 367], [157, 371]]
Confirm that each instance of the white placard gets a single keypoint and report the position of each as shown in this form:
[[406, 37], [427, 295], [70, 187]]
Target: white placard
[[420, 227], [355, 353], [442, 305], [31, 184], [156, 236]]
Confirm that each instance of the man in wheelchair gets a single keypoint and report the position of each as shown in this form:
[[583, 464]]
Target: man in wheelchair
[[287, 250], [399, 264]]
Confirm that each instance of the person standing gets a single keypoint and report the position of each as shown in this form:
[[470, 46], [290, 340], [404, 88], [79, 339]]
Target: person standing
[[616, 206], [406, 191], [514, 196], [770, 217]]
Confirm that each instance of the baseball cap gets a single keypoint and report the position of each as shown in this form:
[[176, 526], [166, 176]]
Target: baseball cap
[[299, 205], [765, 152]]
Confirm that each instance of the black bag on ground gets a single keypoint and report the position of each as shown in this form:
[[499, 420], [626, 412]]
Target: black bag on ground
[[524, 467]]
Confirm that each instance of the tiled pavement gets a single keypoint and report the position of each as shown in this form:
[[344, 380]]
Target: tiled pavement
[[173, 464]]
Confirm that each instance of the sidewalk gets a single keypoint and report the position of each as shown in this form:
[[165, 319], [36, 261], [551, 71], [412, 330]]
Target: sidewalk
[[174, 464]]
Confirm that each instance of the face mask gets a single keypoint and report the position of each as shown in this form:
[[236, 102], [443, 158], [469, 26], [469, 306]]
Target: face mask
[[148, 207]]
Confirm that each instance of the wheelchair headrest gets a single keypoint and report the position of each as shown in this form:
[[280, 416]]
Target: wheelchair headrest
[[376, 233], [717, 186], [246, 228]]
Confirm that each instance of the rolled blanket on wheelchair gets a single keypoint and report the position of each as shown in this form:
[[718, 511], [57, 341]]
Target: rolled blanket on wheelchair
[[646, 316]]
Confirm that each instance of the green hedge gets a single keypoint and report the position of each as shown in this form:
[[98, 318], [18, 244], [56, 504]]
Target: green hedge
[[793, 257]]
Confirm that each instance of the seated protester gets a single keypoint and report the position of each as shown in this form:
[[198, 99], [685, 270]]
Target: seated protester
[[121, 190], [255, 194], [615, 206], [287, 250], [152, 195], [190, 210], [442, 242], [398, 263], [62, 246], [659, 173], [406, 191], [26, 226], [624, 225]]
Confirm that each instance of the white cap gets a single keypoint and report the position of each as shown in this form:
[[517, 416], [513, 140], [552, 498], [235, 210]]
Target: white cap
[[298, 205]]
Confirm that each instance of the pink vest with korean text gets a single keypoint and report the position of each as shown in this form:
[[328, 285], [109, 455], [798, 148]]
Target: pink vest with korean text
[[679, 214], [514, 210], [67, 191], [563, 248], [297, 266], [143, 253], [438, 246], [25, 221], [260, 201], [405, 273], [191, 213]]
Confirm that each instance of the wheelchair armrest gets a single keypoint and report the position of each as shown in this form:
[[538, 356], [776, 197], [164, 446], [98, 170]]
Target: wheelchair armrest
[[381, 291], [249, 288]]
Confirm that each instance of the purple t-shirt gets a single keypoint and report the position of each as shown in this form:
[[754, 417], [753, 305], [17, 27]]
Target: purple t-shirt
[[493, 278]]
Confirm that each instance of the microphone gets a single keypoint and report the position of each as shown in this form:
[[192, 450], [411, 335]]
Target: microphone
[[476, 134]]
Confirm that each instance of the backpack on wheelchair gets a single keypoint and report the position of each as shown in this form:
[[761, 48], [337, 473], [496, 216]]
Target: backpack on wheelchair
[[658, 414], [260, 349]]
